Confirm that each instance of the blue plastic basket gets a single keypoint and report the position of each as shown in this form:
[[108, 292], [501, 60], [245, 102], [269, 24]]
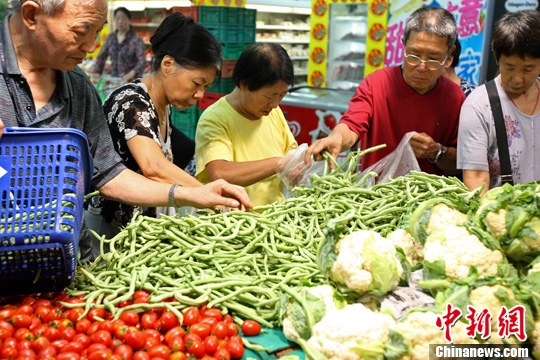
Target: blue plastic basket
[[44, 174]]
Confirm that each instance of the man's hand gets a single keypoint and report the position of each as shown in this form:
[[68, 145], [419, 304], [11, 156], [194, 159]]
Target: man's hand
[[424, 146], [216, 194], [340, 139]]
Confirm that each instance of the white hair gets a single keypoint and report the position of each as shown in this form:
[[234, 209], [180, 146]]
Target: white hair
[[49, 7]]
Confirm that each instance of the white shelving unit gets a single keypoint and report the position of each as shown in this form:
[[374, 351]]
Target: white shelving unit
[[288, 26]]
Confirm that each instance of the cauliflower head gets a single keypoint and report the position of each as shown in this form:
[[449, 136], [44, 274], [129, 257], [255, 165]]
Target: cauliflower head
[[443, 216], [460, 251], [483, 297], [366, 263], [419, 330], [495, 223], [412, 248], [352, 333], [304, 311]]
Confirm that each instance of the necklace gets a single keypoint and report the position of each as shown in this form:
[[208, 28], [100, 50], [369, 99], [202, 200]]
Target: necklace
[[537, 98]]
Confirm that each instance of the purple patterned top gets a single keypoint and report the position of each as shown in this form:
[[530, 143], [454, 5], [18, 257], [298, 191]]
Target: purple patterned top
[[125, 56]]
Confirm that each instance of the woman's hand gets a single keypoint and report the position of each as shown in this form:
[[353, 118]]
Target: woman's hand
[[216, 194]]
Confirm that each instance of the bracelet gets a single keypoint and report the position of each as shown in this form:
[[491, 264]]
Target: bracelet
[[171, 194]]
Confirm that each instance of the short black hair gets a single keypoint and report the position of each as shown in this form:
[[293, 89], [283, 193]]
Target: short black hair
[[189, 43], [517, 33], [456, 53], [263, 64], [124, 10]]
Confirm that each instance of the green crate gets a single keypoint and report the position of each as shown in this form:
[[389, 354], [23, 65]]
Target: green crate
[[186, 120], [220, 15], [250, 16], [248, 34], [222, 86], [232, 51], [227, 33]]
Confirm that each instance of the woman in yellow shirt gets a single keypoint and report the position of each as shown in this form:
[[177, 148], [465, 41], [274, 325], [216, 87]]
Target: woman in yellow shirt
[[242, 136]]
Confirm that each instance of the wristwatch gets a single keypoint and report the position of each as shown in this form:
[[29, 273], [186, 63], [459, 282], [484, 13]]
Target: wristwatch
[[440, 154]]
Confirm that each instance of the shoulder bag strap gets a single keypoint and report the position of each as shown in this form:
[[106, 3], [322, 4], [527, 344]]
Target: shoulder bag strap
[[502, 137]]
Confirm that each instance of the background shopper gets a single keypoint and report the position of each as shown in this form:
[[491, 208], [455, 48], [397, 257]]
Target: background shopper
[[124, 48], [515, 44]]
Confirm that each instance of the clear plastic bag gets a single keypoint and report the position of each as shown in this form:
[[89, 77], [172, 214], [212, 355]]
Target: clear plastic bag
[[293, 171], [399, 162]]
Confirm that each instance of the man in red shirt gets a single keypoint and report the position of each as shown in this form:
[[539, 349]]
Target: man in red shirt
[[413, 97]]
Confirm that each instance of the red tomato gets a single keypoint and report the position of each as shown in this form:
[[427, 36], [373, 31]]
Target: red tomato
[[124, 351], [10, 342], [42, 312], [73, 346], [21, 320], [42, 302], [27, 354], [93, 328], [161, 351], [208, 357], [228, 319], [149, 320], [68, 333], [222, 354], [151, 342], [83, 339], [136, 339], [213, 312], [190, 338], [96, 347], [23, 334], [141, 294], [102, 337], [40, 343], [236, 349], [232, 329], [191, 316], [100, 355], [210, 344], [195, 347], [201, 329], [212, 321], [8, 327], [68, 356], [251, 328], [73, 315], [9, 352], [52, 334], [141, 355], [120, 331], [26, 309], [24, 344], [59, 344], [48, 352], [6, 313], [174, 332], [131, 318], [220, 330], [176, 344], [106, 325], [96, 313], [82, 326], [125, 303], [178, 355], [168, 320]]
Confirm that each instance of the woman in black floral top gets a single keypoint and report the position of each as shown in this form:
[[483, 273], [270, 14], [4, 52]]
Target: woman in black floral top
[[186, 60]]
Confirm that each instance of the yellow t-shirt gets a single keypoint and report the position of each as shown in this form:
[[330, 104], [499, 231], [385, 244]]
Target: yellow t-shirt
[[224, 134]]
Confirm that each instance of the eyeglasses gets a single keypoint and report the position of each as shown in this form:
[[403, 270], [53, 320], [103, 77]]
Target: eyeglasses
[[430, 64]]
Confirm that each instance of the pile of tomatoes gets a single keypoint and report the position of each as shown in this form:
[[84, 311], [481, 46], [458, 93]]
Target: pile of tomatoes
[[41, 328]]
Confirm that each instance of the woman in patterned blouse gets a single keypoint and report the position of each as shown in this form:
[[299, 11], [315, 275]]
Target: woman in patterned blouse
[[124, 48], [186, 60]]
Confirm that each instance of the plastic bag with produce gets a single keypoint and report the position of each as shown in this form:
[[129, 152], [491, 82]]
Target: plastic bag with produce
[[293, 171], [399, 162]]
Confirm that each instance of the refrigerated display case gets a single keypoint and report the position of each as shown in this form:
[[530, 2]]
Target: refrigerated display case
[[347, 41]]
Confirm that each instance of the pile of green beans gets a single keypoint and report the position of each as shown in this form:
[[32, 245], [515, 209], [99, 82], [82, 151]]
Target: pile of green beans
[[241, 261]]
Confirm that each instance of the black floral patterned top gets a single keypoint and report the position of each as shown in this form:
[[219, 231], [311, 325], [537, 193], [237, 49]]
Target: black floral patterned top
[[130, 112]]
